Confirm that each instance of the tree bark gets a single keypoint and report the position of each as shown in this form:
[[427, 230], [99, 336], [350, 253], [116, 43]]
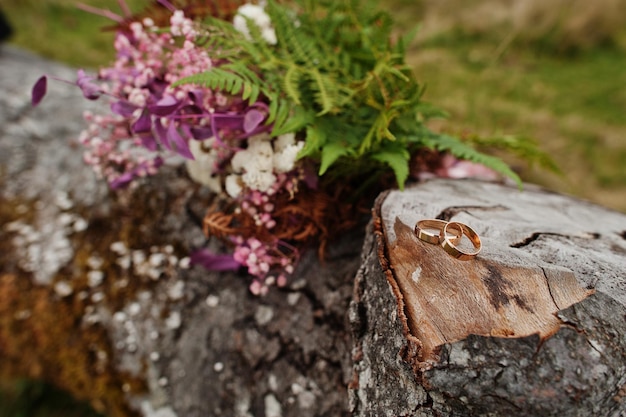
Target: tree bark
[[533, 326], [96, 297]]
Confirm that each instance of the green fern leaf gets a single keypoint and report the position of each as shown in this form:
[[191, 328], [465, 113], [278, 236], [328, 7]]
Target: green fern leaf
[[290, 83], [322, 85], [398, 159], [315, 140], [298, 119], [331, 152], [464, 151]]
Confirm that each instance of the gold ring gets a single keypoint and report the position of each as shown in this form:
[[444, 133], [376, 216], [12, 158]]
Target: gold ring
[[431, 237], [463, 229]]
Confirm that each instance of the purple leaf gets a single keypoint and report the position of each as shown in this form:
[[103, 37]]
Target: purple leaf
[[201, 133], [162, 134], [214, 262], [123, 108], [196, 97], [173, 137], [39, 90], [142, 124], [122, 180], [252, 120], [225, 121], [91, 91], [164, 107], [148, 141]]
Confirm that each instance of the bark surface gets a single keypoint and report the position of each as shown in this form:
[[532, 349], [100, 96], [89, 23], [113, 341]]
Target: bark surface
[[534, 325]]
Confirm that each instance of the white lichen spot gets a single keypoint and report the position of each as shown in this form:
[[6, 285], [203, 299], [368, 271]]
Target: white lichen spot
[[184, 263], [163, 381], [156, 259], [66, 219], [306, 399], [212, 300], [134, 308], [174, 320], [63, 289], [97, 297], [80, 225], [272, 406], [293, 298], [147, 410], [272, 382], [296, 388], [95, 262], [263, 315], [119, 248], [459, 356], [95, 278], [415, 276], [154, 356], [176, 290], [119, 316], [63, 201], [218, 367], [22, 314]]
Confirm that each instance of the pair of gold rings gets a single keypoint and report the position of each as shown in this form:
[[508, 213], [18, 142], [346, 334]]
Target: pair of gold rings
[[449, 236]]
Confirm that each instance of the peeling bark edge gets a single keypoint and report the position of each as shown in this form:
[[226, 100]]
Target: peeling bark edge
[[384, 386]]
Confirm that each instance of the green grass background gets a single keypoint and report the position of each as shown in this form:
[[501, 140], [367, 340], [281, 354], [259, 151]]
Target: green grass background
[[552, 70]]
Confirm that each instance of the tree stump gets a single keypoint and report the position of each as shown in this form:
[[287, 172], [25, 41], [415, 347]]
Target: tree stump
[[535, 325], [97, 296]]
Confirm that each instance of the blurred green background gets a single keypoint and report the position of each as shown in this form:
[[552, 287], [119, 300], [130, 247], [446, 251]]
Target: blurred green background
[[550, 70]]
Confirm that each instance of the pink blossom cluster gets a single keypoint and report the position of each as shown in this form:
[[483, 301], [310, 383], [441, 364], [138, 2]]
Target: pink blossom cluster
[[223, 138]]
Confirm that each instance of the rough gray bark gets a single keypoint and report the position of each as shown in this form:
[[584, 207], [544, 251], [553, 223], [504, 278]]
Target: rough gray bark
[[534, 326], [95, 296]]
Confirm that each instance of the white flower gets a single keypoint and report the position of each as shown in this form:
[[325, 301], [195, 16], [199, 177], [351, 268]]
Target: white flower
[[262, 154], [258, 16], [201, 169], [285, 160], [284, 140], [233, 185], [240, 160], [258, 156], [259, 180]]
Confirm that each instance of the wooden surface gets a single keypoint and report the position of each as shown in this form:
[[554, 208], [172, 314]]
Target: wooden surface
[[532, 326]]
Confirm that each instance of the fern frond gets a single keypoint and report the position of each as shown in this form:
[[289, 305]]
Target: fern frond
[[463, 151], [230, 79], [295, 42], [290, 83]]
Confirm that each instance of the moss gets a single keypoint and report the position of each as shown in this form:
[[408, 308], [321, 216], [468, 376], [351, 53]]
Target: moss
[[43, 336], [40, 338]]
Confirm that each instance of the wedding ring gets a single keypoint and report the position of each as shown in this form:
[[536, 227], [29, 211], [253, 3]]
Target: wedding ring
[[436, 225], [450, 247]]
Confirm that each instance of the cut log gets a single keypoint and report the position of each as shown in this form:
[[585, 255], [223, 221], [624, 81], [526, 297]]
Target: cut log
[[535, 325]]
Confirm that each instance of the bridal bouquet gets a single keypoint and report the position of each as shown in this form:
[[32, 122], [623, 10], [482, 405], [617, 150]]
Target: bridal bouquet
[[292, 112]]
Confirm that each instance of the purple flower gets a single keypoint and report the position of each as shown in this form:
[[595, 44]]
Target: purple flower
[[165, 106], [123, 108], [173, 137], [214, 262]]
